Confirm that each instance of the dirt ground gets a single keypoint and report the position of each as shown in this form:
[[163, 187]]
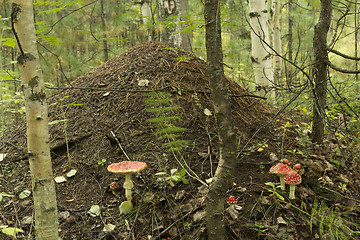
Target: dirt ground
[[114, 97]]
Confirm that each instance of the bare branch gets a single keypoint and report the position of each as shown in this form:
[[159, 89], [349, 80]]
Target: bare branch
[[342, 54], [342, 69]]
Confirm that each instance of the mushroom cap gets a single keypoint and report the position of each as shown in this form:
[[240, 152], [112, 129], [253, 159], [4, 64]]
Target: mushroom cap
[[114, 185], [285, 161], [292, 178], [299, 168], [231, 200], [126, 167], [280, 169]]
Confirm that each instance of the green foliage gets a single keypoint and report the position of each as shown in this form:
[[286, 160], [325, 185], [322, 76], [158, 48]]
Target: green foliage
[[161, 106], [174, 176]]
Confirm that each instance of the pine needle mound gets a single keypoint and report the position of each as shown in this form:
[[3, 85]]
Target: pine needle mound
[[112, 98]]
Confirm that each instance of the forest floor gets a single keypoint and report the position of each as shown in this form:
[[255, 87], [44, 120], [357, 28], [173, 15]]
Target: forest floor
[[116, 97]]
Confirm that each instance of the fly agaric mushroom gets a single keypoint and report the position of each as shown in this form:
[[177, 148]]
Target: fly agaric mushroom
[[281, 170], [127, 168], [114, 187], [231, 210], [285, 161], [292, 178], [298, 168]]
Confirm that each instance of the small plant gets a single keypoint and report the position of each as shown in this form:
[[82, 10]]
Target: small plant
[[64, 109], [101, 162], [174, 176], [161, 106]]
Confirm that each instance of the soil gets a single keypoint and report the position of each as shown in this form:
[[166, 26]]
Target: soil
[[114, 98]]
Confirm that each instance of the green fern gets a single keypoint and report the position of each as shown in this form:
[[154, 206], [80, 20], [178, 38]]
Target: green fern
[[161, 106]]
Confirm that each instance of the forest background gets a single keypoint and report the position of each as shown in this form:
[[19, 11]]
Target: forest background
[[76, 36]]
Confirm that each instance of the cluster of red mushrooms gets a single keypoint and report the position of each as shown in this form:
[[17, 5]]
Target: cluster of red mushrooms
[[288, 175]]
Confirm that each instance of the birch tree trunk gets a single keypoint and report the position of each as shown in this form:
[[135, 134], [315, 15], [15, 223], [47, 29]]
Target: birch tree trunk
[[260, 52], [290, 43], [277, 61], [147, 17], [43, 187], [320, 70], [216, 196]]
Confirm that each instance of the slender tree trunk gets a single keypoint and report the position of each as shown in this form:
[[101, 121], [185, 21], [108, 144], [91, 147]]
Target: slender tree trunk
[[277, 61], [105, 42], [147, 17], [43, 187], [185, 37], [290, 42], [260, 52], [224, 172], [321, 70], [356, 39]]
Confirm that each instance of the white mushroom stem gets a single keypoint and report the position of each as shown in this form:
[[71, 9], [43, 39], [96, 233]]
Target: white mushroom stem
[[292, 191], [282, 182], [128, 185]]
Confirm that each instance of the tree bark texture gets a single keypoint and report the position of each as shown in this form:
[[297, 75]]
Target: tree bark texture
[[147, 17], [216, 196], [320, 70], [43, 187], [277, 61], [260, 52]]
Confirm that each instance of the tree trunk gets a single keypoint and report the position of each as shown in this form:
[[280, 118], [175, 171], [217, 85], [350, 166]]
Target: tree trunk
[[105, 42], [168, 8], [260, 52], [277, 61], [147, 18], [185, 38], [43, 187], [290, 42], [320, 70], [216, 196]]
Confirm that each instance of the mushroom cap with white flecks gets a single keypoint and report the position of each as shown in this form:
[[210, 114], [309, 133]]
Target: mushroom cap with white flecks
[[231, 200], [292, 178], [299, 168], [126, 167], [280, 169]]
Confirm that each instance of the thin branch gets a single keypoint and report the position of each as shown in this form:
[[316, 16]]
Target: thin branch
[[52, 26], [342, 69], [342, 54]]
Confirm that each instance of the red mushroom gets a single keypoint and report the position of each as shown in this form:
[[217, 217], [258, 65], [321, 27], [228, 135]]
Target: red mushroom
[[285, 161], [231, 210], [298, 168], [114, 187], [127, 168], [292, 178], [281, 170]]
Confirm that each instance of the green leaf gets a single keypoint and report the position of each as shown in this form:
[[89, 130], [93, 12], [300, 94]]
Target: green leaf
[[183, 172], [11, 231], [172, 171], [207, 112], [94, 210], [24, 194], [126, 207], [185, 181], [161, 173]]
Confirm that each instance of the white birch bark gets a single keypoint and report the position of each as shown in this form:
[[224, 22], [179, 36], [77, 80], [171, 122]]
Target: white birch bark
[[146, 17], [277, 61], [260, 52], [43, 186]]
